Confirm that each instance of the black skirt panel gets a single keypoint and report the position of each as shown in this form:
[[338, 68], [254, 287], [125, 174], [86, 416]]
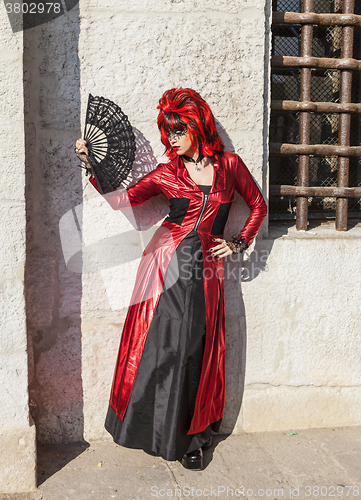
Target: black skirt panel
[[163, 397]]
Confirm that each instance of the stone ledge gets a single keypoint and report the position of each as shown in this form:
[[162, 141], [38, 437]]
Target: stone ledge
[[18, 459], [283, 408], [317, 230]]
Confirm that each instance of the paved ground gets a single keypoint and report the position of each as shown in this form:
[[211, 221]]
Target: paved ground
[[309, 464]]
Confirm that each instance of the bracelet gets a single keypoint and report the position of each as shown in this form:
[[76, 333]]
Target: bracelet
[[237, 245]]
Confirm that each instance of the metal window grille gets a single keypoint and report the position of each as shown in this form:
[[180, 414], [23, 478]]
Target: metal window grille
[[315, 126]]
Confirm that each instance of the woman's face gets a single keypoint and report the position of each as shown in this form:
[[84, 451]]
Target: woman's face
[[181, 142]]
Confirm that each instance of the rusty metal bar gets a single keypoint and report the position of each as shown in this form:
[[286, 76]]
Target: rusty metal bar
[[345, 63], [316, 107], [314, 149], [316, 19], [345, 118], [304, 119], [284, 190]]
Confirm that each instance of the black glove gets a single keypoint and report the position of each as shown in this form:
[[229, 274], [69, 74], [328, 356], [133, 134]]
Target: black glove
[[237, 245]]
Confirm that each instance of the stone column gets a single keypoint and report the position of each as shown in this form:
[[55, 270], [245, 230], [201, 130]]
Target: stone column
[[17, 433]]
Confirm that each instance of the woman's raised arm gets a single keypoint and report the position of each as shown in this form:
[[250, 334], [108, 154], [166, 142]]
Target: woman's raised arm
[[122, 198]]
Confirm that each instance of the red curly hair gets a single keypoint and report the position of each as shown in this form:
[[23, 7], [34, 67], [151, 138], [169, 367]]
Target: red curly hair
[[180, 108]]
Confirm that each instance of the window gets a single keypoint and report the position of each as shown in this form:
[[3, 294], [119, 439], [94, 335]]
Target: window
[[315, 126]]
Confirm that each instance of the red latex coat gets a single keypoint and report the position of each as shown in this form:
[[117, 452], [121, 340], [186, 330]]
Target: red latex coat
[[173, 180]]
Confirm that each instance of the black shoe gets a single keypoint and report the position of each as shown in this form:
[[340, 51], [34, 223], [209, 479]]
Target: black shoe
[[193, 460], [207, 444]]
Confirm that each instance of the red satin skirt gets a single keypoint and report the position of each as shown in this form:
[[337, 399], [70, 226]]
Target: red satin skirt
[[162, 401]]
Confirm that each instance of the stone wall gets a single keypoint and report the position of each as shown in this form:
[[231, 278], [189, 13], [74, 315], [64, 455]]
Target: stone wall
[[301, 294], [290, 332], [17, 434], [75, 308]]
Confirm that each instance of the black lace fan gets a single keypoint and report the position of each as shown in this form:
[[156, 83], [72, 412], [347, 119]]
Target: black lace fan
[[110, 141]]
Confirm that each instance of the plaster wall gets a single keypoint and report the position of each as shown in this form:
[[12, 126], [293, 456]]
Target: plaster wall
[[17, 436]]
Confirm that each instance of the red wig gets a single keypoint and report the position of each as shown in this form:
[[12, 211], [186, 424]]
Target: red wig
[[180, 108]]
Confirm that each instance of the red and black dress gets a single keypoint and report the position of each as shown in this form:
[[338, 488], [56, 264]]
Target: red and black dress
[[169, 383]]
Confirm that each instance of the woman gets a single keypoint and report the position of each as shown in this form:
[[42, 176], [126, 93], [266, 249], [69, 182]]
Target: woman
[[169, 383]]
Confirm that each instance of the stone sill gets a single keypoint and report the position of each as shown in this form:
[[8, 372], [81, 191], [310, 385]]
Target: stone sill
[[316, 230]]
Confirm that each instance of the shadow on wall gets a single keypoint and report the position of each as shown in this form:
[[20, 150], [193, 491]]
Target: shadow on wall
[[121, 245], [53, 186], [237, 269], [154, 210]]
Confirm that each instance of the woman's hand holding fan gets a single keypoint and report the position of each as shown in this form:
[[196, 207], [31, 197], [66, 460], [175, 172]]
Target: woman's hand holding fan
[[82, 153]]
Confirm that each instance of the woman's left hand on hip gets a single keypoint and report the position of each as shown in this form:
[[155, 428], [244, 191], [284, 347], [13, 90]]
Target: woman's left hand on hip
[[221, 250]]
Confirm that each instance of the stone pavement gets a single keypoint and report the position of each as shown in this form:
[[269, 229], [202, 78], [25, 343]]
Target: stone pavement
[[299, 464]]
